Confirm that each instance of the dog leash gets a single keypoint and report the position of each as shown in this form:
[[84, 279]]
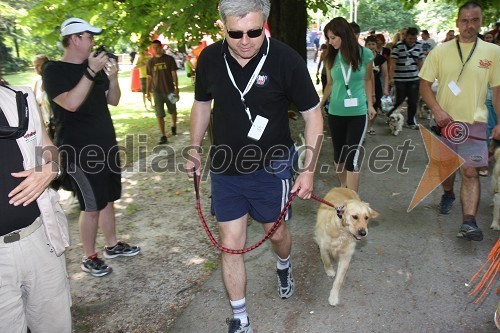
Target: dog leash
[[276, 224]]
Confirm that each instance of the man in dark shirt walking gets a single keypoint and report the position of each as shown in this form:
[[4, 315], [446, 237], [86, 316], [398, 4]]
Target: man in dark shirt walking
[[163, 82]]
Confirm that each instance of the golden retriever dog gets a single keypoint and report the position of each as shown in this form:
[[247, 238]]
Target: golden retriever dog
[[495, 184], [338, 230]]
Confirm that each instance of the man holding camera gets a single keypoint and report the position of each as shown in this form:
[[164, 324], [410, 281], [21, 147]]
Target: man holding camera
[[163, 82], [80, 87]]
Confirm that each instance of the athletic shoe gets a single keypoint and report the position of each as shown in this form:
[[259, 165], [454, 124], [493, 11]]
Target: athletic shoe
[[236, 327], [95, 266], [285, 282], [413, 127], [469, 232], [446, 204], [174, 130], [163, 140], [121, 249]]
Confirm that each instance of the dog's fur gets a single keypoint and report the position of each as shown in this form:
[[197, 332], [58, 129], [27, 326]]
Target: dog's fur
[[423, 111], [337, 236], [495, 184], [396, 121]]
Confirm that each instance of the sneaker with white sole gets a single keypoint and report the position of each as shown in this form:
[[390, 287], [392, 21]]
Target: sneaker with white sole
[[470, 232], [235, 326], [95, 266], [285, 282], [121, 249]]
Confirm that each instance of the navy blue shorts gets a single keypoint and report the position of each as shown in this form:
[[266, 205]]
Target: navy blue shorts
[[261, 194]]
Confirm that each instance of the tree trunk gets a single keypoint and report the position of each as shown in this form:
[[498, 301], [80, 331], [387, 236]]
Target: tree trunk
[[16, 44], [288, 23]]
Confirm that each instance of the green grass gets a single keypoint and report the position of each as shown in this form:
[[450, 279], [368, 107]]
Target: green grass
[[132, 122], [27, 78]]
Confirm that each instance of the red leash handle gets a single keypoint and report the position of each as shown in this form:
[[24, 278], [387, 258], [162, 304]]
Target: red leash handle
[[212, 238], [315, 197]]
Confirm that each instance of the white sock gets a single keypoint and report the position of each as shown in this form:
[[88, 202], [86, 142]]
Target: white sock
[[239, 308], [283, 263]]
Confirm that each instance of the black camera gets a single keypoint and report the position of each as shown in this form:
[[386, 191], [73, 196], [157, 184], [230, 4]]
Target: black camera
[[103, 49]]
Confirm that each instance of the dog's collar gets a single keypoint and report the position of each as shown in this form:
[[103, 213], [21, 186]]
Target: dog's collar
[[339, 211]]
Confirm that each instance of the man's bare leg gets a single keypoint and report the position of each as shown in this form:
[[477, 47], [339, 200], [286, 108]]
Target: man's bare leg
[[108, 224], [88, 223], [161, 125], [233, 235], [470, 191]]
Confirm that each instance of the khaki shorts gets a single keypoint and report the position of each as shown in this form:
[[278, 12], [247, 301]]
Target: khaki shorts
[[34, 287]]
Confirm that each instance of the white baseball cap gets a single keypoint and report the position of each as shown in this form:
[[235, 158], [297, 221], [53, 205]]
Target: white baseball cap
[[76, 25]]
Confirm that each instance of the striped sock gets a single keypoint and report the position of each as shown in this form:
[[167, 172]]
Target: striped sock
[[283, 263], [239, 308]]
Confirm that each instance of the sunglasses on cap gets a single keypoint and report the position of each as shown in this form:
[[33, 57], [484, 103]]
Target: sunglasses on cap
[[8, 132], [254, 33]]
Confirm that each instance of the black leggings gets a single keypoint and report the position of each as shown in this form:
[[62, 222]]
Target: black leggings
[[347, 133], [410, 90]]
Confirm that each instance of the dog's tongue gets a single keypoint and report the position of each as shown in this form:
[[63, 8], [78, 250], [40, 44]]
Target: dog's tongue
[[357, 237]]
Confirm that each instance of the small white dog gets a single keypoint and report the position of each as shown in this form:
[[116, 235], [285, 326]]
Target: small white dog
[[495, 184], [338, 230], [396, 121]]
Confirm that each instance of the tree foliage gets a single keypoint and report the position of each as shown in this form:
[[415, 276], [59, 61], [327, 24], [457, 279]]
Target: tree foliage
[[32, 26], [181, 20], [491, 8], [384, 15]]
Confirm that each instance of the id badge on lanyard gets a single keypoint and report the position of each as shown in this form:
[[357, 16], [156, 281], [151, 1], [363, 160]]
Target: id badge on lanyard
[[260, 122], [452, 85], [348, 102]]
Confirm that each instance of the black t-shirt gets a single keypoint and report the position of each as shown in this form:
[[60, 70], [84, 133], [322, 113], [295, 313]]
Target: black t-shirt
[[283, 79], [13, 217], [91, 124]]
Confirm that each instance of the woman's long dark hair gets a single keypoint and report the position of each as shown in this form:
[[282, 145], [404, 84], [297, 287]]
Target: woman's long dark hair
[[350, 49]]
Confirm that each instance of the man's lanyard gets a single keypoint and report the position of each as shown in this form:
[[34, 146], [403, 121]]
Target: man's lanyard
[[347, 77], [250, 82], [461, 57], [408, 55]]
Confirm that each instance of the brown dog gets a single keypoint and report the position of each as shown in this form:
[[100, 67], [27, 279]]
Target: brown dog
[[337, 231]]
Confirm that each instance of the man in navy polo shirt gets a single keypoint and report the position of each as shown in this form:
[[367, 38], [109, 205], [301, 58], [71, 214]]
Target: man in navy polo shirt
[[251, 80]]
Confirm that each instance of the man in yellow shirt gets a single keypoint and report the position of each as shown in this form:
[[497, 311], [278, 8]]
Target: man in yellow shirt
[[464, 68]]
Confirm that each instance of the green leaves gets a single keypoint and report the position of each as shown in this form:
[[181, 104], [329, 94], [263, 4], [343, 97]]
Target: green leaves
[[186, 21]]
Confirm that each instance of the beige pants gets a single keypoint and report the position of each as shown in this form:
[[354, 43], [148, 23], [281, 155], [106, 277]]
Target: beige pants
[[34, 287]]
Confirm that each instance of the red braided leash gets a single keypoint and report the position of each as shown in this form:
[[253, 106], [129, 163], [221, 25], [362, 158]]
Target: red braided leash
[[275, 226]]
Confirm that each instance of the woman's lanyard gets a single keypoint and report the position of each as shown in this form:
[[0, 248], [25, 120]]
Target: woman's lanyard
[[461, 57], [347, 77], [250, 82]]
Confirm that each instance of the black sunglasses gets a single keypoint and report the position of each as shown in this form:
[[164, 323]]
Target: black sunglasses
[[8, 132], [250, 33]]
